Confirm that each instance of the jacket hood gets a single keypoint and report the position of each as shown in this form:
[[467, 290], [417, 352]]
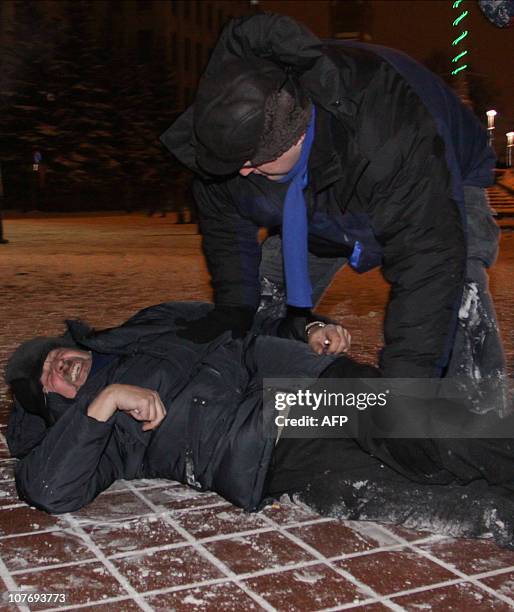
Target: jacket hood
[[284, 42]]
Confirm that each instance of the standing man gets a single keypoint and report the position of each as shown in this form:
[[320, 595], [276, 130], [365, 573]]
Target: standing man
[[346, 152]]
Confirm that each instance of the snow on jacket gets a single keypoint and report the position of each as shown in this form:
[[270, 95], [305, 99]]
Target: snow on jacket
[[213, 436], [393, 149]]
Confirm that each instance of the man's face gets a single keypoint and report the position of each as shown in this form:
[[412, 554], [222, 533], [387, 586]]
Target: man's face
[[65, 370], [278, 168]]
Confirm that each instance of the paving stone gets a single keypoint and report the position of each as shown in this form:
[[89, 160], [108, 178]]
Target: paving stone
[[82, 583], [181, 497], [459, 597], [113, 506], [246, 554], [225, 596], [333, 538], [162, 568], [132, 534], [8, 493], [390, 572], [43, 549], [24, 519], [503, 583], [311, 588], [204, 523], [471, 556]]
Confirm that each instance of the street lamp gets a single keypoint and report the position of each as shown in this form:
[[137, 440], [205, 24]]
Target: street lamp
[[491, 114], [510, 146]]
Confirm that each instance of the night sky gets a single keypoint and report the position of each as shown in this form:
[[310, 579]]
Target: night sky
[[423, 27]]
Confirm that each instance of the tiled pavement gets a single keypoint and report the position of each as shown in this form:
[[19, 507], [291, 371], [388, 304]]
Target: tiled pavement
[[157, 545]]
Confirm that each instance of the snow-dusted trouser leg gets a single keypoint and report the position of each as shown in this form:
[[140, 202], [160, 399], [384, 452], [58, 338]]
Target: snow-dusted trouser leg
[[273, 298], [478, 358]]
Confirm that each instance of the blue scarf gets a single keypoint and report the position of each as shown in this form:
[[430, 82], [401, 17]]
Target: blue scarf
[[294, 227]]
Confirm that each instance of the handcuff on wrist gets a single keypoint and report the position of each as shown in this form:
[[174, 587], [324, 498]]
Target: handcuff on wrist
[[317, 325], [312, 325]]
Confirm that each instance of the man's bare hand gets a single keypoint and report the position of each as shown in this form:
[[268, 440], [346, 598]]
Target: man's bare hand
[[142, 404], [329, 340]]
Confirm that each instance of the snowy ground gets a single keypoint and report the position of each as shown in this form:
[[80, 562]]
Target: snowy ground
[[103, 268], [158, 545]]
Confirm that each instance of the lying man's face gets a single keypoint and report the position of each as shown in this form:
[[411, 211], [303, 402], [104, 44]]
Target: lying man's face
[[65, 370]]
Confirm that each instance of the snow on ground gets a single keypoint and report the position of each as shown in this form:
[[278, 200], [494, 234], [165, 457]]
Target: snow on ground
[[104, 267]]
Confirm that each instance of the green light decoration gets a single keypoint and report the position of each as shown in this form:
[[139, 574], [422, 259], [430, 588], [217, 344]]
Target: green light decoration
[[457, 57], [458, 42], [459, 69], [461, 37], [460, 18]]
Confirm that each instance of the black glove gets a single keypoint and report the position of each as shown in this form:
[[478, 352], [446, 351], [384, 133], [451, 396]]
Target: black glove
[[236, 319], [292, 326]]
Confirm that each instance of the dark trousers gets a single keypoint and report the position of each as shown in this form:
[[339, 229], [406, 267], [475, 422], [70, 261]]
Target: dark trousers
[[297, 463]]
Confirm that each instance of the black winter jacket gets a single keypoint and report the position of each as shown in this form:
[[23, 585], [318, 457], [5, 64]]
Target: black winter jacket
[[385, 184], [212, 438]]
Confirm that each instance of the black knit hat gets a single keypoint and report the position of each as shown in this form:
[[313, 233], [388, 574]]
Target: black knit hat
[[249, 111], [24, 369]]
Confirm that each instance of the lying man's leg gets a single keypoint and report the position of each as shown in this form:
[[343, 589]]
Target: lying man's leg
[[462, 487]]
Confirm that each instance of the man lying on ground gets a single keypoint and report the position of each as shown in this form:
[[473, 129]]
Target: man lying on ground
[[140, 401]]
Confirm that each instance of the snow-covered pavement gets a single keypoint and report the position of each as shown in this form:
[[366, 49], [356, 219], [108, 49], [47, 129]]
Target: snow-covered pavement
[[158, 545]]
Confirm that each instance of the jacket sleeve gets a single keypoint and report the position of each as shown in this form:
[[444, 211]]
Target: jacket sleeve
[[292, 326], [407, 187], [24, 431], [231, 247], [70, 466]]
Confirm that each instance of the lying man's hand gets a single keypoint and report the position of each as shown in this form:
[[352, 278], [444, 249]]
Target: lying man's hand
[[329, 339], [142, 404]]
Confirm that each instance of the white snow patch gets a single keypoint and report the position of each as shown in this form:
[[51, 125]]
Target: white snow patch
[[469, 306], [369, 530], [359, 484], [507, 588], [307, 576], [225, 516], [191, 599]]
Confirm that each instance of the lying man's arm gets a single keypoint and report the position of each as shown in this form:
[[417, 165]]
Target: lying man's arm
[[142, 404], [328, 339], [323, 335], [75, 462]]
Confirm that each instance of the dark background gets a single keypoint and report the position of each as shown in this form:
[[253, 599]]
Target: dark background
[[92, 84]]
